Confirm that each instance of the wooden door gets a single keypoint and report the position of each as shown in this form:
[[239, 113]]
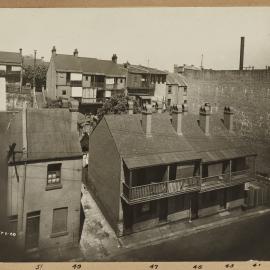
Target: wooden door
[[223, 198], [32, 231], [194, 205], [163, 209]]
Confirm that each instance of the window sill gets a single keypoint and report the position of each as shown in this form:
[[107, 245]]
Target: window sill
[[51, 187], [53, 235]]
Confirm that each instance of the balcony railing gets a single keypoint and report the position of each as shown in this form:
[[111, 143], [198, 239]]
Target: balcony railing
[[142, 85], [93, 100], [114, 86], [168, 188], [97, 85], [161, 189]]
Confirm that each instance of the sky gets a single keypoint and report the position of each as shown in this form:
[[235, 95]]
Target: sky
[[158, 37]]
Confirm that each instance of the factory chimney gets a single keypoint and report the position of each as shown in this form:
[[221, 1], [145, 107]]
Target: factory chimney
[[242, 47]]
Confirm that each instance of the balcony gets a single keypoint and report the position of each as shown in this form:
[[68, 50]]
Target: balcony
[[114, 86], [93, 100], [160, 190], [99, 85], [142, 85], [225, 180]]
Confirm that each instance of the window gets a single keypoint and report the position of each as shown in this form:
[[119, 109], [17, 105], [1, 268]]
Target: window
[[54, 176], [64, 92], [169, 89], [121, 80], [68, 77], [86, 78], [185, 91], [59, 223], [169, 102]]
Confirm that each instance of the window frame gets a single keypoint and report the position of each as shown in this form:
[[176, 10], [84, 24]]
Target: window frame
[[57, 172], [65, 230]]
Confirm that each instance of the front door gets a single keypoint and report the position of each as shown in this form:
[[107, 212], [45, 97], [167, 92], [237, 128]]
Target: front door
[[194, 205], [163, 209], [223, 198], [32, 230]]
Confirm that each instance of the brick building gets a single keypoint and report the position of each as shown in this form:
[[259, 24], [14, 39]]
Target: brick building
[[160, 168], [145, 83], [176, 91], [11, 70], [42, 190], [88, 80]]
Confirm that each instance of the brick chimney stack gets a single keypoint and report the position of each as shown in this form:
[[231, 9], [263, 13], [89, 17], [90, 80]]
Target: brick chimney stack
[[130, 107], [185, 108], [76, 52], [159, 107], [20, 51], [177, 118], [53, 51], [205, 112], [114, 58], [147, 119], [228, 118]]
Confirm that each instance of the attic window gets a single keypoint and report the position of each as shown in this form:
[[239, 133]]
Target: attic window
[[169, 89], [54, 176]]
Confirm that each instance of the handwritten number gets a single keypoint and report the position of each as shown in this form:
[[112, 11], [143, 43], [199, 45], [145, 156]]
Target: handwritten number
[[39, 267], [197, 266], [76, 266], [154, 266]]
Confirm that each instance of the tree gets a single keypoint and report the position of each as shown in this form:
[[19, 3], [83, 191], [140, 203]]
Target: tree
[[117, 104], [41, 71]]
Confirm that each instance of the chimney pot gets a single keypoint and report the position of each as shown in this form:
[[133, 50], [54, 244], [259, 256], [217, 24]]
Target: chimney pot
[[76, 52], [20, 51], [53, 50], [114, 58], [177, 118], [147, 119]]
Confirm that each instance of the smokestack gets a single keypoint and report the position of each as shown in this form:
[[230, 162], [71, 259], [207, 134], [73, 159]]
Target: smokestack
[[177, 118], [147, 119], [242, 47], [228, 118], [76, 53], [130, 107], [53, 51], [3, 98], [74, 108], [205, 112]]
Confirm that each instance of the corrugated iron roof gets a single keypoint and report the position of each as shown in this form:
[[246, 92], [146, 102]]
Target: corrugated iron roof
[[10, 57], [145, 70], [48, 134], [70, 63], [175, 78], [159, 159]]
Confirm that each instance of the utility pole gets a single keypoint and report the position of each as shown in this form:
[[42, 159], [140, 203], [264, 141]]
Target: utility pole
[[34, 80]]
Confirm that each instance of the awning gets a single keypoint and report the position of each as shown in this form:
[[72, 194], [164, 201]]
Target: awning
[[212, 156], [159, 159]]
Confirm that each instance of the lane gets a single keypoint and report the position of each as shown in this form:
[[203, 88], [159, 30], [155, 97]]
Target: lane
[[245, 240]]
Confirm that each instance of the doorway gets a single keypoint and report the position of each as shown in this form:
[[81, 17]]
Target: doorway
[[223, 199], [32, 230], [194, 206], [163, 209]]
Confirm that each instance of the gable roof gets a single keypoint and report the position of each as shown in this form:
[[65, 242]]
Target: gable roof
[[70, 63], [175, 78], [48, 134], [164, 147], [139, 69], [10, 58], [219, 145]]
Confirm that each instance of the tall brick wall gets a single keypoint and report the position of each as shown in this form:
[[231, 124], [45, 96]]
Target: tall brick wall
[[248, 92]]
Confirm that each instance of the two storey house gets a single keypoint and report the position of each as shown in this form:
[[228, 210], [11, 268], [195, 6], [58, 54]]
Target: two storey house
[[89, 80], [42, 177], [160, 168]]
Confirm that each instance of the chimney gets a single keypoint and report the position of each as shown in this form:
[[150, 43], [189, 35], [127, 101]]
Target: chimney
[[228, 118], [177, 118], [24, 130], [20, 51], [205, 112], [114, 58], [74, 108], [130, 107], [147, 119], [159, 107], [3, 99], [76, 53], [185, 108], [242, 46], [53, 51]]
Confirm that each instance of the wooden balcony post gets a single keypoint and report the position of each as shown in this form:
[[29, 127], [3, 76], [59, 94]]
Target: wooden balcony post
[[130, 184], [230, 171], [200, 175]]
